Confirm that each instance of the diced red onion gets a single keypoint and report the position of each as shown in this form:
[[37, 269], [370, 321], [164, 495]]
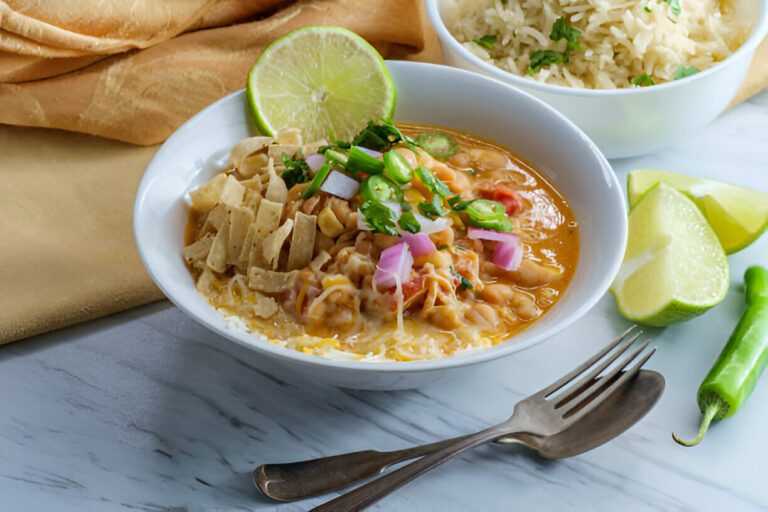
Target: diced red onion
[[508, 255], [394, 266], [363, 226], [341, 185], [315, 161], [490, 234], [429, 226], [419, 243], [370, 152]]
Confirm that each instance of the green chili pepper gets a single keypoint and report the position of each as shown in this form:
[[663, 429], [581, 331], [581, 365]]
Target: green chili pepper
[[361, 162], [484, 213], [318, 180], [437, 144], [736, 371], [379, 188], [396, 167]]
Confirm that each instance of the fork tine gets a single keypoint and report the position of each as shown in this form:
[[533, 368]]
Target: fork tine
[[586, 380], [580, 369], [597, 400], [566, 405]]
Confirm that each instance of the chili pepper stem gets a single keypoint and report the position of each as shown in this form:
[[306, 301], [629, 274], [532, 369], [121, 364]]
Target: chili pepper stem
[[713, 408]]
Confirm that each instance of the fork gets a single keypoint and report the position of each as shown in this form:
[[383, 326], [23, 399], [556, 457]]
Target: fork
[[544, 413]]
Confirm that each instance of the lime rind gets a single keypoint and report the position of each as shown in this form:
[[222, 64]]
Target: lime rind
[[737, 214], [319, 78], [674, 267]]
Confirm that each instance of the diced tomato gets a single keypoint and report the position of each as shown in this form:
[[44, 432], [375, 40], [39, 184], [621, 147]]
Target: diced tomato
[[509, 198], [412, 287]]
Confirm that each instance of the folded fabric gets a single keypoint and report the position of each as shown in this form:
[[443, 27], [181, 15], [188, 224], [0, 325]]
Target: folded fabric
[[142, 97], [67, 198]]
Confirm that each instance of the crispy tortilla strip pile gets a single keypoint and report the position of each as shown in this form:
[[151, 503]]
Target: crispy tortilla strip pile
[[245, 224]]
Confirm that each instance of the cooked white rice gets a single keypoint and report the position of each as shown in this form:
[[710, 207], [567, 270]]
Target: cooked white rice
[[621, 39]]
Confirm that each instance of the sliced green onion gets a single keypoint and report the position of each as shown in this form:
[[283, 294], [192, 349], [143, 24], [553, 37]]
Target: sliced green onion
[[397, 168], [379, 188], [336, 156], [361, 162], [317, 181], [438, 145]]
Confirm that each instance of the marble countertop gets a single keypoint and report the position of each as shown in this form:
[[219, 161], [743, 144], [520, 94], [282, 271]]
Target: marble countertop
[[146, 410]]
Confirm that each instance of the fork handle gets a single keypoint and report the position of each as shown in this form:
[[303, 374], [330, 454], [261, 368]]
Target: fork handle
[[297, 480], [370, 493]]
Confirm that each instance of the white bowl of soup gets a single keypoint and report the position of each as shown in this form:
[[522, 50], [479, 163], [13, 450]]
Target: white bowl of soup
[[644, 76], [311, 300]]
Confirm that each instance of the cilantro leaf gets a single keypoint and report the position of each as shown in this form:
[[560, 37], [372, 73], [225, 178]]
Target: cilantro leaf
[[379, 218], [432, 209], [381, 136], [682, 71], [409, 223], [643, 80], [647, 9], [457, 204], [464, 283], [406, 207], [296, 171], [674, 6], [443, 247], [561, 30], [432, 182], [485, 41], [541, 58]]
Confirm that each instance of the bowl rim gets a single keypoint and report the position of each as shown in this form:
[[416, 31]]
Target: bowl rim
[[282, 354], [444, 35]]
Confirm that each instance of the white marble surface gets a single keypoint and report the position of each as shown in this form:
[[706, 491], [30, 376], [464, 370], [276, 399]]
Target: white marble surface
[[145, 410]]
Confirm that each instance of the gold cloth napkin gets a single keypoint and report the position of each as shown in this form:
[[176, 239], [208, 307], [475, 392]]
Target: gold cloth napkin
[[66, 199]]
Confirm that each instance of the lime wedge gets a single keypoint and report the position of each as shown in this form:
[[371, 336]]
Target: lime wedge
[[674, 267], [319, 79], [737, 214]]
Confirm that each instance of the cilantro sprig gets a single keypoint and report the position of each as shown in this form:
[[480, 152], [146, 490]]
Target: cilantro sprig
[[379, 218], [643, 80], [560, 30], [485, 41], [296, 171], [682, 71]]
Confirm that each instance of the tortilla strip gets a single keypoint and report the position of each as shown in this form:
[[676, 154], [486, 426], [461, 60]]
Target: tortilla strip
[[240, 220], [319, 262], [217, 258], [232, 192], [277, 191], [252, 164], [215, 220], [264, 307], [269, 281], [302, 241], [247, 147], [267, 220], [206, 197], [245, 253], [273, 244], [198, 250]]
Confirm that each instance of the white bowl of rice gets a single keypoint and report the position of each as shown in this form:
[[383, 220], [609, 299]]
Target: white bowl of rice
[[640, 75]]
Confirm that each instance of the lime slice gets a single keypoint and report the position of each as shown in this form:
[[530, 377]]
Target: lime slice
[[674, 267], [319, 79], [737, 214]]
